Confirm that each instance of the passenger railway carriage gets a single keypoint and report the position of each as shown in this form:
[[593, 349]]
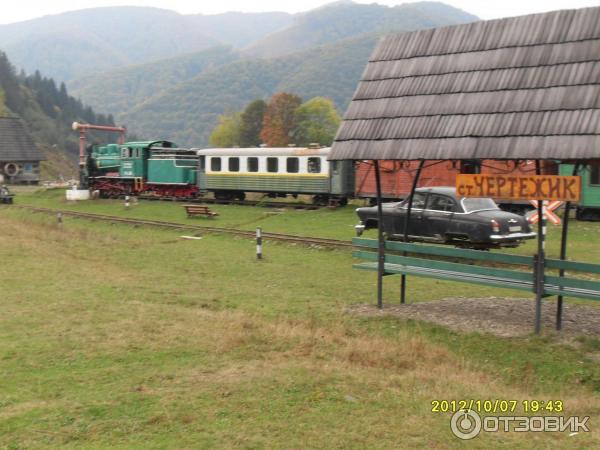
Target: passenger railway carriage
[[278, 172]]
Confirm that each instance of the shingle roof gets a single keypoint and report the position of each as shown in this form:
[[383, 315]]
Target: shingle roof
[[518, 88], [16, 143]]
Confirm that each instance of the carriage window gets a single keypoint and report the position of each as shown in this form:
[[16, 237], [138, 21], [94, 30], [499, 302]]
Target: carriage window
[[234, 164], [272, 165], [215, 164], [440, 203], [293, 165], [252, 165], [335, 167], [595, 173], [314, 165]]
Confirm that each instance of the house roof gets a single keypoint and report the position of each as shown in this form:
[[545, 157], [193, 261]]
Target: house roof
[[16, 143], [518, 88]]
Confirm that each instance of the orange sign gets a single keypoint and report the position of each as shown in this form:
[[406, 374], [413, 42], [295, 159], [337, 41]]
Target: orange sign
[[531, 187]]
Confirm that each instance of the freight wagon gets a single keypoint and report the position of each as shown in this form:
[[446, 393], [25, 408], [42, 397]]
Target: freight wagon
[[397, 177]]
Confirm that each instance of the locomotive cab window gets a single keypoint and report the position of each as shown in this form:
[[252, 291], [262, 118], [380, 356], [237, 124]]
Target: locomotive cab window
[[292, 165], [252, 164], [215, 164], [126, 152], [272, 165], [314, 165], [234, 164]]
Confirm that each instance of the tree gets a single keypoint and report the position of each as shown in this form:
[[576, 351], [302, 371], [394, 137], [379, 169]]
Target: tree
[[279, 122], [316, 121], [252, 123], [227, 131]]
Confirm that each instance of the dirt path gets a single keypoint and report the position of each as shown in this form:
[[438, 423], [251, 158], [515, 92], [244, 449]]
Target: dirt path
[[505, 317]]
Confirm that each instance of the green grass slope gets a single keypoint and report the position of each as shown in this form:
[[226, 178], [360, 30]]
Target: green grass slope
[[113, 348]]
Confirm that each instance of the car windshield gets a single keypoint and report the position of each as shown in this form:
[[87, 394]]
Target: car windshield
[[478, 204]]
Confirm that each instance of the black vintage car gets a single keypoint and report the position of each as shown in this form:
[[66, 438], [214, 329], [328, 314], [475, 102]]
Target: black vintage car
[[437, 215], [5, 195]]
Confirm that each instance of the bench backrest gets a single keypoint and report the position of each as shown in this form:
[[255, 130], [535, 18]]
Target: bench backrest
[[462, 261]]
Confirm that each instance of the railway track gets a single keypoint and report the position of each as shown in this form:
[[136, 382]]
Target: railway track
[[306, 240]]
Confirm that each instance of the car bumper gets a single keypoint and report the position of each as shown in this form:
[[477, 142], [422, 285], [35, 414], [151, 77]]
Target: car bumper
[[512, 237]]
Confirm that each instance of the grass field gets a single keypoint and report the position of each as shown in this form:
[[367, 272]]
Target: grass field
[[114, 336]]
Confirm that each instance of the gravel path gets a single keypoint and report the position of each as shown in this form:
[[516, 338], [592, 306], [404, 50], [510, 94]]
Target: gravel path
[[505, 317]]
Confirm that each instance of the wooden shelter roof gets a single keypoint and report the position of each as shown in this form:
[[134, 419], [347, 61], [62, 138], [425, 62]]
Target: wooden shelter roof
[[518, 88], [16, 143]]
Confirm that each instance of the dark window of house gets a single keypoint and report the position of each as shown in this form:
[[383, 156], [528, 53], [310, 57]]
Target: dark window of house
[[293, 165], [272, 165], [215, 164], [252, 164], [234, 164]]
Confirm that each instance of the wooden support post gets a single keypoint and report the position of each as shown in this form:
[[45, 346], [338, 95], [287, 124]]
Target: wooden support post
[[539, 269], [381, 246], [406, 224], [563, 253]]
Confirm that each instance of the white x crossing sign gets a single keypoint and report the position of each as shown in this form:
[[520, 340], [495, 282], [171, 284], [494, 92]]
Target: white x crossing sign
[[548, 211]]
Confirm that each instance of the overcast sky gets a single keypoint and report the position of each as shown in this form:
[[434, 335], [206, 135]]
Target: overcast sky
[[18, 10]]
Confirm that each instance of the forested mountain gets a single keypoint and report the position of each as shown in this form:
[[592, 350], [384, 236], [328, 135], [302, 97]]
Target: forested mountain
[[346, 19], [48, 111], [124, 88], [167, 75], [181, 98], [187, 113], [78, 43]]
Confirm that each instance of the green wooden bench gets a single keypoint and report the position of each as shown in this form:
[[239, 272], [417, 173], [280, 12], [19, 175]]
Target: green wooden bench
[[474, 266]]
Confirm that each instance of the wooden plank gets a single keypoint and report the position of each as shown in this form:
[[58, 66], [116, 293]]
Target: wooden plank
[[573, 266], [571, 292], [447, 251], [460, 270], [573, 283], [448, 276]]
